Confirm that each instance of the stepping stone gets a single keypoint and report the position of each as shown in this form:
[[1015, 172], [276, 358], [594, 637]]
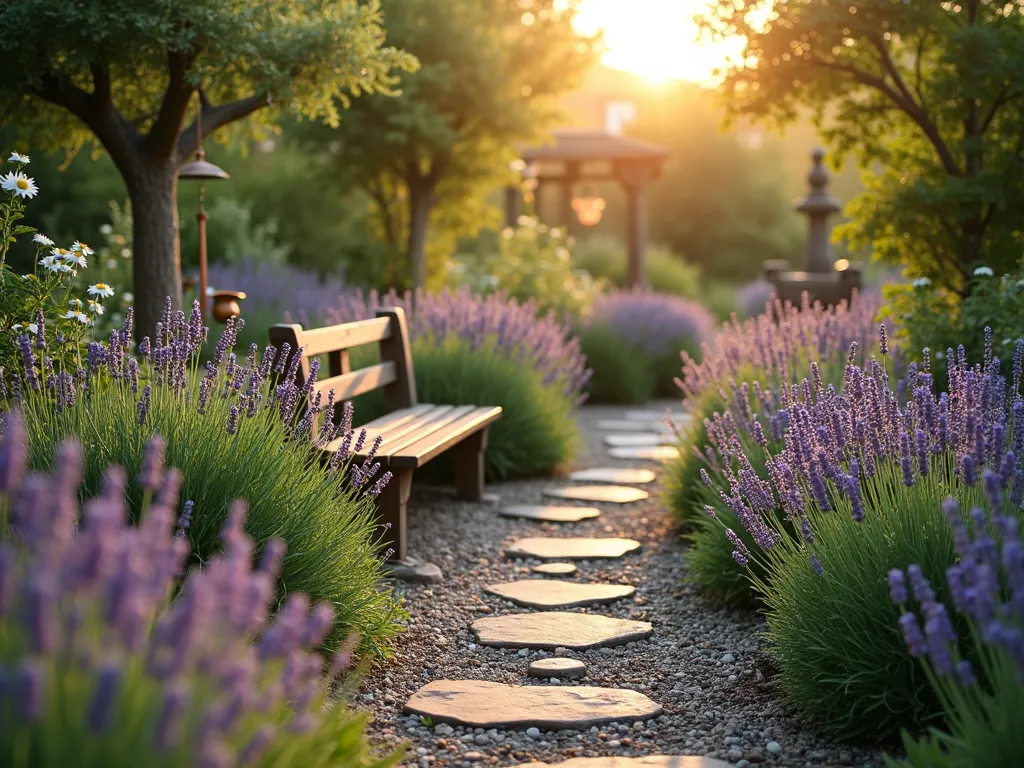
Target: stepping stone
[[660, 453], [563, 669], [549, 514], [617, 425], [571, 549], [647, 761], [553, 593], [481, 704], [635, 439], [614, 475], [676, 417], [556, 629], [615, 494], [555, 569]]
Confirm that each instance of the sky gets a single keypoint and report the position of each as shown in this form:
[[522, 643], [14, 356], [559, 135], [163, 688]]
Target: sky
[[654, 38]]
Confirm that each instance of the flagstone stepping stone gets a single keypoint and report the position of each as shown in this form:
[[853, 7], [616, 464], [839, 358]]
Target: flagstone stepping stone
[[622, 425], [553, 593], [634, 439], [550, 514], [660, 453], [676, 417], [482, 704], [614, 475], [647, 761], [557, 629], [555, 569], [615, 494], [563, 669], [571, 548]]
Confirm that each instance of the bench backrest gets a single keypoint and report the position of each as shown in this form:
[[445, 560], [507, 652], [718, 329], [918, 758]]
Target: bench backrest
[[393, 374]]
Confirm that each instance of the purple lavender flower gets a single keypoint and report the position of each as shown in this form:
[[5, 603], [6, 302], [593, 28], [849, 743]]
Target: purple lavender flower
[[897, 587], [100, 714], [152, 463], [912, 635]]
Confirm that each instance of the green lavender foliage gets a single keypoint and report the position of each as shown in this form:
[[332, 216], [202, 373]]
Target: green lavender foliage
[[621, 373]]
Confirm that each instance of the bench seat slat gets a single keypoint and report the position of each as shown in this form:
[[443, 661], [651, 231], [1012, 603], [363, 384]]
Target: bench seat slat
[[441, 417], [317, 341], [418, 453], [353, 384], [396, 418], [428, 419]]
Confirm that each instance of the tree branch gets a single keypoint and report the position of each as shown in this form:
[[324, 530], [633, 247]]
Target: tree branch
[[1004, 98], [163, 135], [219, 116], [101, 89]]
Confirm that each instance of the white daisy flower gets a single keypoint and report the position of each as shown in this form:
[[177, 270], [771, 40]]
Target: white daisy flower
[[83, 319], [79, 316], [101, 289], [19, 184], [75, 304], [17, 327], [77, 258], [50, 263], [20, 159], [42, 239], [983, 272], [95, 307], [82, 248], [62, 267], [921, 282], [33, 328]]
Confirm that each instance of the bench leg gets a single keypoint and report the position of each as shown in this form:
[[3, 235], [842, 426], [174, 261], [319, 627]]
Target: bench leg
[[469, 466], [391, 505]]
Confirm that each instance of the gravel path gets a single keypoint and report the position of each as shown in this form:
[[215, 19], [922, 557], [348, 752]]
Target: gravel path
[[703, 664]]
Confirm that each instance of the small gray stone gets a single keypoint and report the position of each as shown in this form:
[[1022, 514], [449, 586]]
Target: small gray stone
[[473, 756], [443, 729], [533, 733], [481, 739], [774, 747], [415, 571], [735, 754], [614, 743], [555, 569], [728, 658], [570, 669], [524, 652]]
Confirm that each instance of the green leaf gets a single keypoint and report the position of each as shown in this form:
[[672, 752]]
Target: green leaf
[[24, 229]]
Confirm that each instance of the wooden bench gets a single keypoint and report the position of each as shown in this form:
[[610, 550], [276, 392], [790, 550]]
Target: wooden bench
[[413, 433]]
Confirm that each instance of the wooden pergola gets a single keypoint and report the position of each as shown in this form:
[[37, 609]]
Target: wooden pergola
[[576, 156]]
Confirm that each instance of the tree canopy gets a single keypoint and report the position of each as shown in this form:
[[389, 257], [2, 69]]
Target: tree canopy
[[929, 91], [428, 158], [125, 73]]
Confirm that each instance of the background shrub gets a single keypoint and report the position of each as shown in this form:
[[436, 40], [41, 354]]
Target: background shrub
[[605, 257], [619, 374], [473, 350], [658, 328], [752, 297], [537, 431], [237, 440], [107, 673], [531, 262]]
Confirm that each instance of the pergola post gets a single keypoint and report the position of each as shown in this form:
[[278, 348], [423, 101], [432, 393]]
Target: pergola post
[[568, 216], [635, 178], [513, 205]]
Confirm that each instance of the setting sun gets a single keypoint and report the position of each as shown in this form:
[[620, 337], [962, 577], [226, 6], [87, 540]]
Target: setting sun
[[656, 39]]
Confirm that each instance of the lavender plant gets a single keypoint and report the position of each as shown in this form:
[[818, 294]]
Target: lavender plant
[[233, 432], [977, 674], [658, 328], [853, 493], [768, 351], [99, 668]]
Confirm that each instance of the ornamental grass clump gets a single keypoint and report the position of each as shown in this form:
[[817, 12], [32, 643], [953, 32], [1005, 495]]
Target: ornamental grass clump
[[972, 656], [854, 493], [235, 429], [658, 328], [113, 655], [472, 350]]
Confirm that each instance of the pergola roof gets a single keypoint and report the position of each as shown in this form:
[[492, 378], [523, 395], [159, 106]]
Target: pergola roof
[[576, 145]]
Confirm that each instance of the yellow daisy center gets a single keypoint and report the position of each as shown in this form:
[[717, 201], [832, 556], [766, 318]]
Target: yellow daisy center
[[22, 183], [102, 286]]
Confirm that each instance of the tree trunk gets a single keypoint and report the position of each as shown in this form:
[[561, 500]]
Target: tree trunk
[[420, 204], [157, 264]]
